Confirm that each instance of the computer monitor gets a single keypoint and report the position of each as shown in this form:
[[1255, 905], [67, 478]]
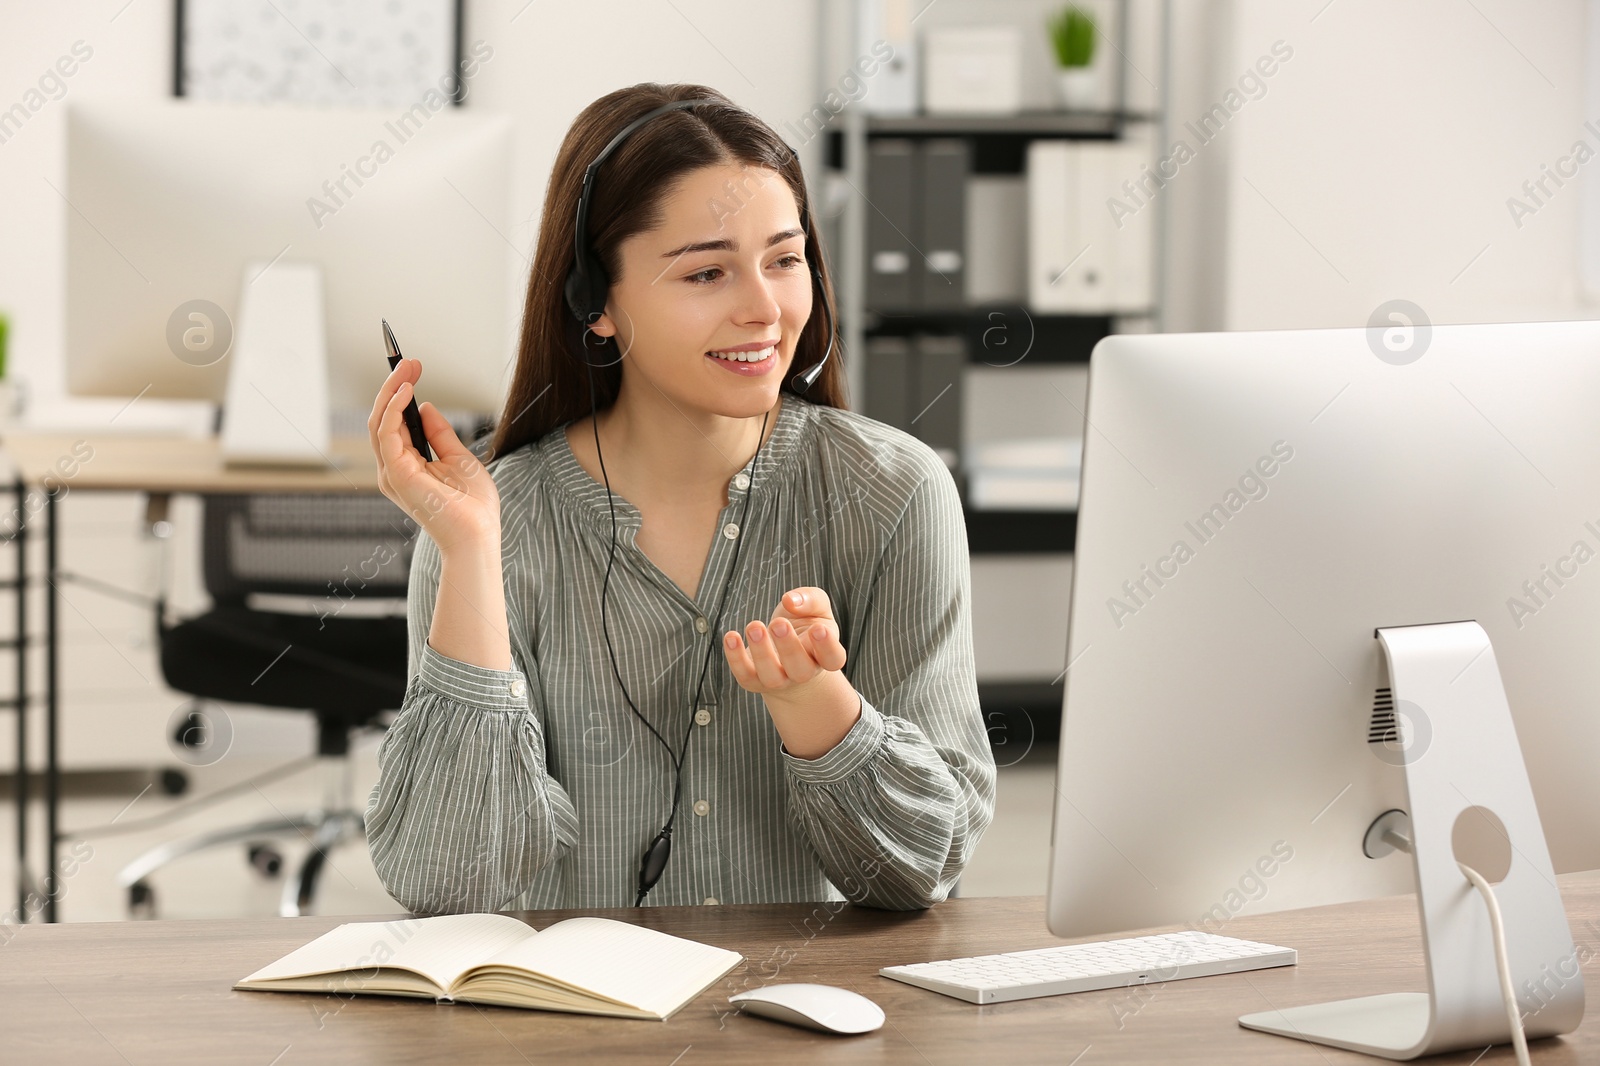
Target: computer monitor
[[1254, 505], [403, 215]]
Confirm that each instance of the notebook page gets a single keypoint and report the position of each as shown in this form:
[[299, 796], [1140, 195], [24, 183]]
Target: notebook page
[[640, 967], [440, 948]]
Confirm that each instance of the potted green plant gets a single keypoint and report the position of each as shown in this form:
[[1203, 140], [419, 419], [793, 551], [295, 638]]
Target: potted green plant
[[1072, 37]]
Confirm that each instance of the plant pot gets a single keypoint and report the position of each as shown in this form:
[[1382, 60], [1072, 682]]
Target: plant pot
[[1078, 87], [13, 400]]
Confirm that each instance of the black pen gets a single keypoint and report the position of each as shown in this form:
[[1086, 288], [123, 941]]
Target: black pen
[[412, 416]]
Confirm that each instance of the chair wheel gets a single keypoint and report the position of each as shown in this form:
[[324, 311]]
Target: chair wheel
[[266, 859], [190, 730], [141, 901], [174, 782]]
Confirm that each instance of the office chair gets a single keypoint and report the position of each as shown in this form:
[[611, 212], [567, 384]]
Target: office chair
[[334, 552]]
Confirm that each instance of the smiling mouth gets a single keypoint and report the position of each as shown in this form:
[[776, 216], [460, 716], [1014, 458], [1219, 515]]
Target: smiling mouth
[[756, 356]]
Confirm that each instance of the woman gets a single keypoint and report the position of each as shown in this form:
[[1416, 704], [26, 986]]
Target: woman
[[570, 736]]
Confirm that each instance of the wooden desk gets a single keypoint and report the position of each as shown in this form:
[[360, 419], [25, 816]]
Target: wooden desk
[[159, 992], [60, 464], [159, 464]]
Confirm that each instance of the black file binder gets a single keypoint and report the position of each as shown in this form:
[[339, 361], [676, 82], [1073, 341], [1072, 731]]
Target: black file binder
[[942, 206], [892, 262], [889, 382], [940, 364]]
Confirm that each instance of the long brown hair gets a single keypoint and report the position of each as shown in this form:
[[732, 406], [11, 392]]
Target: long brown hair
[[551, 386]]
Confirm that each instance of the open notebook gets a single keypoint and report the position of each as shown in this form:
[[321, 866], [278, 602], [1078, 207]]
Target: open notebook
[[582, 965]]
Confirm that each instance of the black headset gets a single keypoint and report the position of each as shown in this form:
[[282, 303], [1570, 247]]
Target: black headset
[[586, 289], [587, 284]]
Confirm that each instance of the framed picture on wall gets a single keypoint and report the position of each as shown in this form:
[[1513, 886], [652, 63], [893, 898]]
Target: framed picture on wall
[[351, 53]]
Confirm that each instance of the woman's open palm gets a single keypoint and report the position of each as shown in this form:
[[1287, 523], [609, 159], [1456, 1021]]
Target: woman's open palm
[[452, 498]]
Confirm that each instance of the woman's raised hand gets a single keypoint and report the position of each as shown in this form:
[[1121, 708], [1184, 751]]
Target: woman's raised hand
[[797, 646], [452, 498]]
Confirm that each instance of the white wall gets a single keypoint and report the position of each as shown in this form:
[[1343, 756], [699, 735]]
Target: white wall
[[1196, 199], [1379, 163], [550, 59]]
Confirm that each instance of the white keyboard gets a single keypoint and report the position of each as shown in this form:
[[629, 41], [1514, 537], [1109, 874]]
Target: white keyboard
[[1086, 967]]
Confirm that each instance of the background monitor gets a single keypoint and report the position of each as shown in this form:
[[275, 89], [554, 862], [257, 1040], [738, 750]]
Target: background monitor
[[405, 213], [1253, 506]]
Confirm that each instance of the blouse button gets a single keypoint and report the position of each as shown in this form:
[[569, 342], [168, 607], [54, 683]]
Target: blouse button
[[730, 530], [702, 717], [709, 901], [702, 808], [701, 625], [518, 688], [741, 481]]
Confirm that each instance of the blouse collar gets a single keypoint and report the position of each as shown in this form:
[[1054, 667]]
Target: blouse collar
[[795, 416]]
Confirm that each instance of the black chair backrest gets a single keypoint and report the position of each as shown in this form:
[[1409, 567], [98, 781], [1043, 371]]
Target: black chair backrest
[[314, 544]]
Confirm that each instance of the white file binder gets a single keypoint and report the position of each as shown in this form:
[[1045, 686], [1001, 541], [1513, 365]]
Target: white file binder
[[1089, 240]]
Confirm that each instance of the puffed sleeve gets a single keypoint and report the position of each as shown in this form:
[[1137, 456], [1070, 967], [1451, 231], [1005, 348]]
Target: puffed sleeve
[[464, 813], [895, 809]]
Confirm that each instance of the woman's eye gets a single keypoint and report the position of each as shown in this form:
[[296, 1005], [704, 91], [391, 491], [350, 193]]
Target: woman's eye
[[709, 274]]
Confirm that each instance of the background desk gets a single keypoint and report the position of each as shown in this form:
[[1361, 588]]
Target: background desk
[[148, 992], [159, 466]]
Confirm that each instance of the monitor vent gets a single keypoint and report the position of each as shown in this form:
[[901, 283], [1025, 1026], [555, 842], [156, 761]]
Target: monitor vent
[[1384, 729]]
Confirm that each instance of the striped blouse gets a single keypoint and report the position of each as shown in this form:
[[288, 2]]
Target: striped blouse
[[537, 787]]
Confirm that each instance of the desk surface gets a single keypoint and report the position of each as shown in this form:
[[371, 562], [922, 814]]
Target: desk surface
[[149, 463], [145, 992]]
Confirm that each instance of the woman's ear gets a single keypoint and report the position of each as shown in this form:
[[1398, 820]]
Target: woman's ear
[[605, 326]]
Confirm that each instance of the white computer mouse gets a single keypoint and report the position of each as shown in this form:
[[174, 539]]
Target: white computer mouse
[[821, 1007]]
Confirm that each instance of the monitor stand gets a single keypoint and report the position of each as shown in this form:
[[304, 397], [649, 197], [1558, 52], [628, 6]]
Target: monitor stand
[[1462, 757], [276, 411]]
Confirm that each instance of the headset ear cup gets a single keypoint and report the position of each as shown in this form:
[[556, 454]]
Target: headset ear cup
[[595, 292], [586, 292], [586, 295], [577, 292]]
